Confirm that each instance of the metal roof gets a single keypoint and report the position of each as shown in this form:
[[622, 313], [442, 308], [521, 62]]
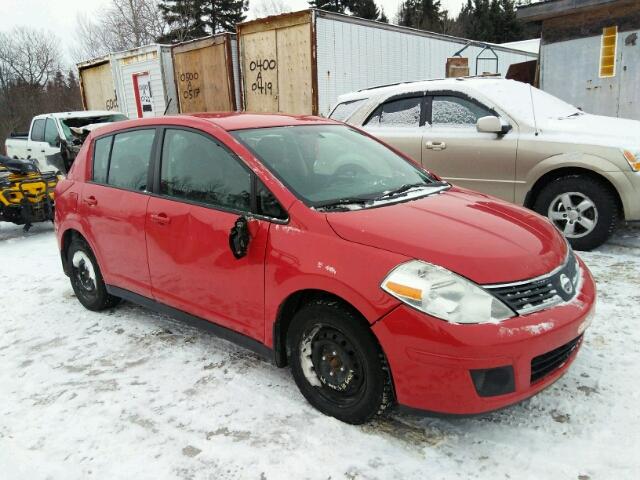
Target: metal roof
[[556, 8]]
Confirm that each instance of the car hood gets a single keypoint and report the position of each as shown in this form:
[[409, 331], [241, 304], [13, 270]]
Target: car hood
[[610, 131], [477, 236]]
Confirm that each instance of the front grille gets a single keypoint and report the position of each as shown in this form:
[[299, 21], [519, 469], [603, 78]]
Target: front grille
[[542, 292], [544, 364]]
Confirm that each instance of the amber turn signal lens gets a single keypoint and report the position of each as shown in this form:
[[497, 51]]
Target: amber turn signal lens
[[632, 160], [404, 291]]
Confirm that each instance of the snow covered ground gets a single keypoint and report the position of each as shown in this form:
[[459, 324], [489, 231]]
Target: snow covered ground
[[131, 394]]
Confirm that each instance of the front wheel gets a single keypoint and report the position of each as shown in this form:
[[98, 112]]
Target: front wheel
[[583, 208], [337, 363]]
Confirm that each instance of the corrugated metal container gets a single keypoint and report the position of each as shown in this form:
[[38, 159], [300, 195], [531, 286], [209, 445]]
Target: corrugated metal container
[[207, 74], [301, 62], [144, 81], [96, 84]]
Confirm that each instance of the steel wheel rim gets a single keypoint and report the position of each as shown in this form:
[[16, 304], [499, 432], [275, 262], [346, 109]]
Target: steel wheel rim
[[84, 272], [332, 364], [574, 213]]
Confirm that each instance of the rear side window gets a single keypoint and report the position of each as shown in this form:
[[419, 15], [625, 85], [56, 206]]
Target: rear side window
[[345, 110], [456, 111], [130, 157], [195, 167], [101, 159], [404, 112], [50, 131], [37, 131]]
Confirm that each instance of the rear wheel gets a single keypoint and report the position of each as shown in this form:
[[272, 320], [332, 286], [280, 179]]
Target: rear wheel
[[583, 208], [337, 363], [86, 279]]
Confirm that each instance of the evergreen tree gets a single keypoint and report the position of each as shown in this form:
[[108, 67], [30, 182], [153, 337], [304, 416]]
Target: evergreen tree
[[188, 19], [337, 6], [422, 14], [383, 17], [364, 9]]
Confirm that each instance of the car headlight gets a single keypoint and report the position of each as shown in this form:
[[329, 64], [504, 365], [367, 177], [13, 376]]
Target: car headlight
[[633, 159], [438, 292]]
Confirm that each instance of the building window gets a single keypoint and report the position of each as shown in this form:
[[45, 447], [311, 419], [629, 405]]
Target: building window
[[608, 52]]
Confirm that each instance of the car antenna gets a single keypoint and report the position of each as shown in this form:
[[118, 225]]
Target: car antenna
[[533, 110]]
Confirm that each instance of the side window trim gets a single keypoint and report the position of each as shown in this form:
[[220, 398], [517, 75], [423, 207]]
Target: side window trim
[[157, 172]]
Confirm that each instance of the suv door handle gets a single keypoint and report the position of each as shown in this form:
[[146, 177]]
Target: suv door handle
[[435, 145], [160, 218], [91, 201]]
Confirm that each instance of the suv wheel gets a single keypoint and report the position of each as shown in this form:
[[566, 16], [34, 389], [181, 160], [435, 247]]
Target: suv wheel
[[337, 363], [86, 279], [583, 208]]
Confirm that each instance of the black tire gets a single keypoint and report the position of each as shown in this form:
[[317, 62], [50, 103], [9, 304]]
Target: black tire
[[354, 384], [605, 213], [89, 288]]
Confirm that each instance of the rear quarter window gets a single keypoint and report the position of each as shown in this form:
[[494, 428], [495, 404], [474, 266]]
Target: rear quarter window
[[345, 109]]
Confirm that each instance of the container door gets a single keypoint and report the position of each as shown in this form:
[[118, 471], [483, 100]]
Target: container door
[[295, 88], [97, 88], [259, 65], [629, 102]]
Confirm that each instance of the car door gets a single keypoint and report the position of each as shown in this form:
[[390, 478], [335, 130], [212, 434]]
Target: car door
[[114, 204], [453, 148], [202, 189], [398, 121], [36, 140], [44, 135]]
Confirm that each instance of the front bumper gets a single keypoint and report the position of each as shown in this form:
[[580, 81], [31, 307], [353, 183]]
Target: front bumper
[[431, 360]]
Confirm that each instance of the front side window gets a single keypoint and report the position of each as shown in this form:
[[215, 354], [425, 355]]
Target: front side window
[[37, 131], [404, 112], [130, 157], [197, 168], [101, 159], [448, 110], [345, 110], [50, 132], [326, 163]]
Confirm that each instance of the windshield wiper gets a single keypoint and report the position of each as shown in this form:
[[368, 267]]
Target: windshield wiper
[[343, 202], [408, 186]]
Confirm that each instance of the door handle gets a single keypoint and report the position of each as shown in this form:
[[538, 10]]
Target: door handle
[[436, 145], [91, 201], [28, 149], [160, 218], [41, 151]]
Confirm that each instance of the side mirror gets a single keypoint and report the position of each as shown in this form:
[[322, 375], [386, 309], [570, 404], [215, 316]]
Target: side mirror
[[239, 237], [491, 124]]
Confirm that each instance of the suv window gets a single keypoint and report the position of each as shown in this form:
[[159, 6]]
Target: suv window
[[101, 159], [50, 132], [195, 167], [37, 131], [404, 112], [345, 109], [448, 110], [130, 157]]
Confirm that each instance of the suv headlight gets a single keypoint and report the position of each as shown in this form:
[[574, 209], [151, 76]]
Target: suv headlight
[[633, 159], [438, 292]]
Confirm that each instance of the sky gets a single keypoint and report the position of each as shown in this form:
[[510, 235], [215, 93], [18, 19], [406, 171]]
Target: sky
[[59, 16]]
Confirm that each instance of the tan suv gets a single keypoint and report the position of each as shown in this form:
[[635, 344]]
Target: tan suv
[[516, 142]]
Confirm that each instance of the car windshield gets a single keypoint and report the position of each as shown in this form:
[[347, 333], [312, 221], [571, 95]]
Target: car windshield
[[328, 165], [77, 122]]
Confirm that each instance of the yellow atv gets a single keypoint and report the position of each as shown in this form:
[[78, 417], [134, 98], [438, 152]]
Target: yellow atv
[[26, 194]]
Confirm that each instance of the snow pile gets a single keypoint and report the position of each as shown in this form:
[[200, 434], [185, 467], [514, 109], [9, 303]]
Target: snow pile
[[132, 394]]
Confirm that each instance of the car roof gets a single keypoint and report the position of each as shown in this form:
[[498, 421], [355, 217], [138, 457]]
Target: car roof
[[459, 83], [227, 121]]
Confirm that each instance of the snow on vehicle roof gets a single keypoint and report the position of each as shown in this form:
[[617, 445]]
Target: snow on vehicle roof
[[79, 114]]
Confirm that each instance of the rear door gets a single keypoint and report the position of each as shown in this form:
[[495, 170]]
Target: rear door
[[202, 188], [114, 204], [398, 122], [453, 148]]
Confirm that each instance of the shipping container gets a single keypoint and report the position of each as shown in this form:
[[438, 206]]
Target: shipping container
[[301, 62], [207, 74], [144, 81], [96, 84]]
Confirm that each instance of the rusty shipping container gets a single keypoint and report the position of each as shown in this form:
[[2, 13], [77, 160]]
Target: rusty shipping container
[[207, 74], [96, 84], [301, 62]]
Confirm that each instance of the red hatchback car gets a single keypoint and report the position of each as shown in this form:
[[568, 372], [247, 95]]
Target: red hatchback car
[[322, 248]]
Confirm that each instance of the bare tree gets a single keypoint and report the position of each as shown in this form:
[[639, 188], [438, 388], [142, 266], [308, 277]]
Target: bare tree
[[122, 25], [28, 56], [264, 8]]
